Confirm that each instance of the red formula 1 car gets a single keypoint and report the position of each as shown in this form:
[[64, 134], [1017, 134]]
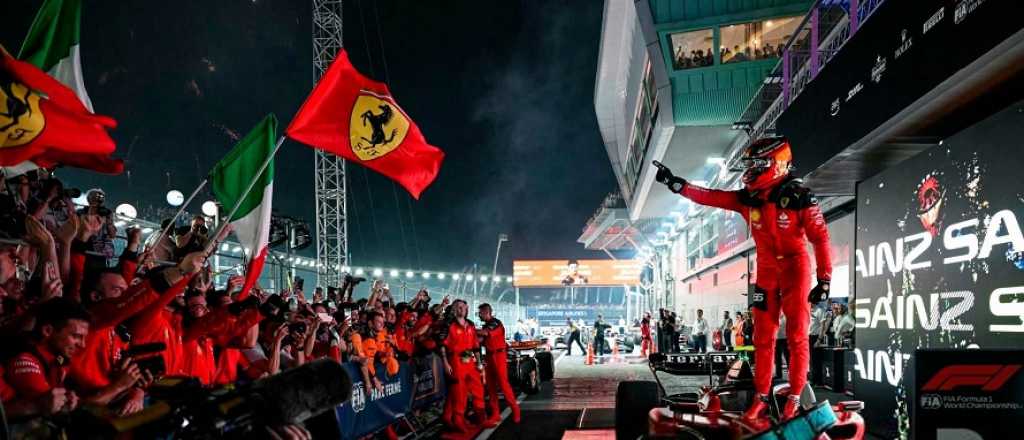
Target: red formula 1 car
[[715, 411]]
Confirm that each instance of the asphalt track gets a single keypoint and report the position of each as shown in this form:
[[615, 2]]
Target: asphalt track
[[581, 399], [579, 404]]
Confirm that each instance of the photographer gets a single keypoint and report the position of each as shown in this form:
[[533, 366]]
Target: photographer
[[268, 356], [194, 237], [101, 370], [101, 243]]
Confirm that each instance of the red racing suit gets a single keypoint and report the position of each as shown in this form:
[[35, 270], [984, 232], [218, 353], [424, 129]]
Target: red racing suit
[[645, 337], [496, 366], [778, 222], [461, 345]]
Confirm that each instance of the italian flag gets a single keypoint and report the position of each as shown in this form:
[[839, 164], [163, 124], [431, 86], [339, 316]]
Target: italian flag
[[230, 178], [52, 45]]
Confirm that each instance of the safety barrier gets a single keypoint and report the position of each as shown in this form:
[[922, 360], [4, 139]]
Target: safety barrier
[[419, 383]]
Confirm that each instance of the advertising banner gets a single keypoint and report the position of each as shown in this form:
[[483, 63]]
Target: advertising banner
[[732, 233], [969, 395], [557, 317], [901, 52], [939, 261], [550, 273], [428, 378], [418, 383]]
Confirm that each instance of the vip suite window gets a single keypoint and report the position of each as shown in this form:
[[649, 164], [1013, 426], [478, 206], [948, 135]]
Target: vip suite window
[[757, 40], [643, 126], [692, 49]]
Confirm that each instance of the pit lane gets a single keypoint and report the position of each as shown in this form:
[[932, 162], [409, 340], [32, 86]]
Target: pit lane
[[579, 403], [581, 398]]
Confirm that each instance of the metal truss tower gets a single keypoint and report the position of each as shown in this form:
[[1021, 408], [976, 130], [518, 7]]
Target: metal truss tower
[[331, 205]]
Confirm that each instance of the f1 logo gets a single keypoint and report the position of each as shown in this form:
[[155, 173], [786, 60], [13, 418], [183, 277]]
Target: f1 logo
[[988, 377]]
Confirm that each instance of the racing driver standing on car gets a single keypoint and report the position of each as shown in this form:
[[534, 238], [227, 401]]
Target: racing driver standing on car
[[780, 212]]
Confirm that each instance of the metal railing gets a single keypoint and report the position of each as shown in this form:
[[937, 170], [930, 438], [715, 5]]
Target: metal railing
[[803, 57]]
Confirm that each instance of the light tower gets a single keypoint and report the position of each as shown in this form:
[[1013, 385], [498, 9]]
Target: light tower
[[331, 206]]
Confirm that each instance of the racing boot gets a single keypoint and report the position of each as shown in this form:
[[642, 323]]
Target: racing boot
[[792, 407], [757, 416], [516, 415], [459, 424]]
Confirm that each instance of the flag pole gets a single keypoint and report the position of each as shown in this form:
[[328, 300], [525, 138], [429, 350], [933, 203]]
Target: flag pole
[[238, 203], [174, 219]]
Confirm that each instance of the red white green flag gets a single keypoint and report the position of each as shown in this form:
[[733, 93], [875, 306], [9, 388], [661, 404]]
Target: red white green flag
[[230, 178]]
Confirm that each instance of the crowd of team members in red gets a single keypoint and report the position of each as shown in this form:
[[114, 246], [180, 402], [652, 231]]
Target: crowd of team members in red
[[70, 323]]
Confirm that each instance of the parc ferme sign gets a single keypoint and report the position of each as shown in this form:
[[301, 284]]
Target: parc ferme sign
[[939, 264], [554, 273]]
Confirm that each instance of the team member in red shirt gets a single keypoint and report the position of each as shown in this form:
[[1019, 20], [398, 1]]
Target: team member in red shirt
[[781, 212], [496, 365], [645, 335], [227, 327], [197, 350], [60, 331], [100, 373], [461, 350], [161, 321]]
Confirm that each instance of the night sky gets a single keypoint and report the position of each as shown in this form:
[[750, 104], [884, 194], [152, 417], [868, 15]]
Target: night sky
[[504, 88]]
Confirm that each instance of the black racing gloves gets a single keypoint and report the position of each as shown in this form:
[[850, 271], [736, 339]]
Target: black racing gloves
[[819, 293], [665, 176]]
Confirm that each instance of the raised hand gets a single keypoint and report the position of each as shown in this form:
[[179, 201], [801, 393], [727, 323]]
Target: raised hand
[[235, 282], [36, 234], [69, 229], [665, 176], [193, 262], [90, 225], [134, 237]]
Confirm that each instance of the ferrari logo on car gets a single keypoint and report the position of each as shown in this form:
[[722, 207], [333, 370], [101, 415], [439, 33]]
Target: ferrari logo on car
[[21, 120], [377, 126]]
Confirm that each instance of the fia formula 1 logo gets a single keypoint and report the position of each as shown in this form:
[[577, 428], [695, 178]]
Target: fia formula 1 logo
[[988, 377], [358, 398]]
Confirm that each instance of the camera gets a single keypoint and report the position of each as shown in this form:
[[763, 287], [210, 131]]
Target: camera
[[12, 218], [185, 409], [297, 327], [274, 307], [201, 229], [148, 357]]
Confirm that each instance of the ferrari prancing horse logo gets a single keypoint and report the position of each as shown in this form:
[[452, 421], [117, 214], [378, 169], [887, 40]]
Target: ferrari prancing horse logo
[[21, 120], [377, 126]]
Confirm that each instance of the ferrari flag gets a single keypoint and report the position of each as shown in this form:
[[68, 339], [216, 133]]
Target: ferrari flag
[[356, 118], [42, 119], [52, 46]]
